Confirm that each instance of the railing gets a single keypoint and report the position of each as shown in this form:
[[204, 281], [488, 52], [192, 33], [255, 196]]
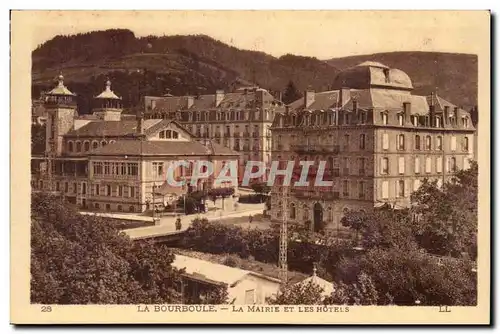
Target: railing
[[316, 148]]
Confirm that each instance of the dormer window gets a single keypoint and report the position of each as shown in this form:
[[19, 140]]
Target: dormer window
[[414, 120], [465, 122], [438, 122], [387, 76], [401, 119], [385, 118]]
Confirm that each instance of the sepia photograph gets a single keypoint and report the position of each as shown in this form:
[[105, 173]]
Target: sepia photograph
[[242, 166]]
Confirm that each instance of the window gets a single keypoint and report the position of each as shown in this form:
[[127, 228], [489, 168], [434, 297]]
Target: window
[[131, 208], [401, 142], [120, 191], [453, 164], [168, 134], [108, 207], [401, 165], [95, 145], [57, 186], [417, 142], [361, 166], [157, 168], [84, 188], [108, 190], [361, 189], [385, 141], [66, 187], [345, 166], [465, 122], [86, 146], [417, 165], [414, 120], [292, 211], [416, 184], [428, 165], [401, 188], [385, 118], [385, 189], [428, 143], [439, 165], [439, 143], [103, 143], [162, 135], [131, 192], [453, 144], [466, 163], [346, 142], [119, 207], [97, 190], [70, 146], [96, 205], [438, 122], [385, 166], [345, 188], [401, 119], [362, 138], [175, 135], [465, 144]]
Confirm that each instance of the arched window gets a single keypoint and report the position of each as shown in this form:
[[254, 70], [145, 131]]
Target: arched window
[[111, 141], [466, 144], [292, 210], [86, 146], [305, 213], [401, 142], [453, 164], [95, 144], [168, 134], [103, 143], [417, 142], [131, 208], [330, 214], [175, 135], [162, 134], [70, 146]]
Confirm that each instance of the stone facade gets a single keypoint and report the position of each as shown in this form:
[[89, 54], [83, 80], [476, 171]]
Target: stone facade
[[379, 143]]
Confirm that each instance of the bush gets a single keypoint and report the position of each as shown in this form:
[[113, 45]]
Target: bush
[[251, 199], [232, 261]]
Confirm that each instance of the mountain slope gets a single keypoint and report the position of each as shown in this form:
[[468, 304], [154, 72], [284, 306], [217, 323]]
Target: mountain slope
[[454, 75], [153, 65]]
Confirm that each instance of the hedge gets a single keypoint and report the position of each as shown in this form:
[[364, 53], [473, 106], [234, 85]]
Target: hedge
[[262, 245]]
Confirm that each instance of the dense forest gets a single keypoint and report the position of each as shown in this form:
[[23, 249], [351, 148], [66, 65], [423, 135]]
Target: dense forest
[[198, 64]]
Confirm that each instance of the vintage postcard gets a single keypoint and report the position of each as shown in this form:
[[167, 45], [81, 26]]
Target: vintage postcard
[[258, 167]]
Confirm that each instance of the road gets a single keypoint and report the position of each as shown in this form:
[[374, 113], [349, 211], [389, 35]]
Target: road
[[166, 225]]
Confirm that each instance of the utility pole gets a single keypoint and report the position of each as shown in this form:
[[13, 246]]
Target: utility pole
[[283, 250]]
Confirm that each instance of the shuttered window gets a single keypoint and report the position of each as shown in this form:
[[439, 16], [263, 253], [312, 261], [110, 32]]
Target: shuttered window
[[417, 165], [428, 165], [401, 165], [385, 189], [385, 141]]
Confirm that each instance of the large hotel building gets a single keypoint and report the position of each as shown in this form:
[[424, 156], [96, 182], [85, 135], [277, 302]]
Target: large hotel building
[[238, 120], [113, 162], [378, 139]]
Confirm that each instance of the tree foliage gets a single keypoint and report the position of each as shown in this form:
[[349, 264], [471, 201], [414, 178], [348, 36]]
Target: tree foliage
[[37, 139], [307, 293], [291, 93], [77, 259]]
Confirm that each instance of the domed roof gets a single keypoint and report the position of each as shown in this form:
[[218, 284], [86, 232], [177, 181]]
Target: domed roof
[[371, 74], [108, 93], [60, 89]]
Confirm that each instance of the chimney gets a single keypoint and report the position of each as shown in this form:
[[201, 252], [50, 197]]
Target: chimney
[[140, 123], [190, 102], [354, 105], [219, 96], [432, 114], [308, 98], [407, 110], [455, 114], [345, 95]]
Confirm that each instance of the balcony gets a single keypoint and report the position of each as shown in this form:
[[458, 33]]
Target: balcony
[[335, 149]]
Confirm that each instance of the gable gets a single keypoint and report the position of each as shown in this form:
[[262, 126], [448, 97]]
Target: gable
[[168, 130]]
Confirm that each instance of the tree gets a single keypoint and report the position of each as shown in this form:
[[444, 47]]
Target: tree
[[362, 292], [262, 189], [80, 259], [37, 139], [291, 93], [298, 294], [446, 221]]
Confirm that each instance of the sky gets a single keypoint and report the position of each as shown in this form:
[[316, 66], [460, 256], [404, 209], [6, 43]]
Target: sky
[[321, 34]]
